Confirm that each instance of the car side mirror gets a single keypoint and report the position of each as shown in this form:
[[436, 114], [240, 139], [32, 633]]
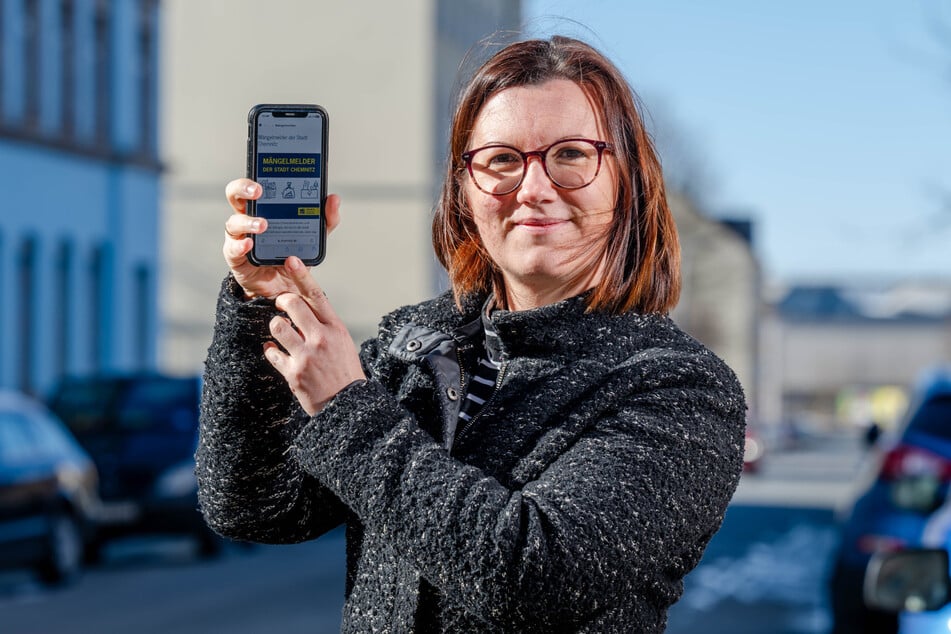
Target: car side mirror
[[908, 580]]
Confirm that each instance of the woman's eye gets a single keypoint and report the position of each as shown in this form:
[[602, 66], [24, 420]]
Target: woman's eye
[[507, 158], [570, 154]]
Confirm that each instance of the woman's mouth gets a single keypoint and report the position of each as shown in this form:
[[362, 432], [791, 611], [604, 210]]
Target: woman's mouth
[[539, 225]]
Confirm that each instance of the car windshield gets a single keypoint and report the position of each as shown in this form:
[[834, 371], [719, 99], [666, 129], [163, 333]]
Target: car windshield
[[86, 406], [159, 404], [933, 417], [16, 443], [153, 404]]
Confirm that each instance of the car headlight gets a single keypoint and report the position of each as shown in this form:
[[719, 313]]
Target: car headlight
[[70, 477], [177, 481]]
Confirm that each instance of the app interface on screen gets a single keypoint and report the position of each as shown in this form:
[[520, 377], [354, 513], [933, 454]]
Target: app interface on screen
[[288, 169]]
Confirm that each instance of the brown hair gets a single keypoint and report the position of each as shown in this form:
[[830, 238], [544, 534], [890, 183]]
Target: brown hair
[[642, 259]]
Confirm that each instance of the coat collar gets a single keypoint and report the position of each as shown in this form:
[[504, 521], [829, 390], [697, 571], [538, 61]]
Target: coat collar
[[562, 328]]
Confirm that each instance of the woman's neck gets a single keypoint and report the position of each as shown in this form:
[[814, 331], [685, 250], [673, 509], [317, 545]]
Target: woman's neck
[[528, 294]]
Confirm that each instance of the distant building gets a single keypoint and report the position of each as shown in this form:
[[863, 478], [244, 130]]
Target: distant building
[[79, 163], [386, 73], [839, 354], [720, 299]]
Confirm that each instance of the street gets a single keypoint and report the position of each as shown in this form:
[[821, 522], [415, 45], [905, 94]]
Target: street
[[153, 586], [763, 573]]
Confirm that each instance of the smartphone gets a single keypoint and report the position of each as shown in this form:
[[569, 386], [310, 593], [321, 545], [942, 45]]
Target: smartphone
[[287, 156]]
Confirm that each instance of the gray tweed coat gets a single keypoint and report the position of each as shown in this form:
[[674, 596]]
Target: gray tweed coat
[[577, 502]]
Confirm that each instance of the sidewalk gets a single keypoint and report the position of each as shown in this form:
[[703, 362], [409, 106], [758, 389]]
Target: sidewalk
[[821, 475]]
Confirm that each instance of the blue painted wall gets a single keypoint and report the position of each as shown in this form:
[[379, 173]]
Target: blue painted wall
[[79, 220]]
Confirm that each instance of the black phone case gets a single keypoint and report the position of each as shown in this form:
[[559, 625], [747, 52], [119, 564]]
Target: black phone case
[[250, 170]]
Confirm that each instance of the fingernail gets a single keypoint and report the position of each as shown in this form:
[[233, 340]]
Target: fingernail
[[293, 263], [249, 190], [255, 225]]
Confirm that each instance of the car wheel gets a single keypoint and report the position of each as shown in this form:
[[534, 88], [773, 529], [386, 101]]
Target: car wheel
[[64, 559], [92, 551]]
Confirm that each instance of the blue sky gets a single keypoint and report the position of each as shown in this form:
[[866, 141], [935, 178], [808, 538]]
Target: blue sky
[[828, 123]]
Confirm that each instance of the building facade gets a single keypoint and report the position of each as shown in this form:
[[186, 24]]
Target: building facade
[[384, 71], [721, 291], [845, 355], [79, 159]]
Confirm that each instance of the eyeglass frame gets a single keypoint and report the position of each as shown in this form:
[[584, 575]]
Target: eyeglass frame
[[600, 146]]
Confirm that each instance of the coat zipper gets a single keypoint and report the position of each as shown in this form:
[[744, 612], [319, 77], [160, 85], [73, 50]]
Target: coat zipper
[[495, 390], [462, 370]]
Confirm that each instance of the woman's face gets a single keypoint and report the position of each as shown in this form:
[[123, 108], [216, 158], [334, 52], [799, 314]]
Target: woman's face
[[548, 242]]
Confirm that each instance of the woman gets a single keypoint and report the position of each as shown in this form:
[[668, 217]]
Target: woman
[[541, 449]]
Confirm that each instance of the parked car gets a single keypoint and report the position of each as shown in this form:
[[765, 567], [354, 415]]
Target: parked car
[[141, 431], [48, 492], [907, 480]]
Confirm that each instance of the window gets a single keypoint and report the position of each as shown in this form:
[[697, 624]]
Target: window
[[16, 444], [88, 404], [103, 86], [3, 36], [160, 403], [51, 437], [92, 405], [31, 59], [147, 75], [933, 417], [26, 304], [141, 326], [4, 335], [67, 25], [63, 309], [97, 313]]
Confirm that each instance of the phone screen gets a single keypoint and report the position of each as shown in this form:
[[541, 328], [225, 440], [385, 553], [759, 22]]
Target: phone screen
[[288, 162]]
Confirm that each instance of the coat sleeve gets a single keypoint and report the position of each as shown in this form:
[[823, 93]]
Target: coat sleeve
[[622, 515], [248, 489]]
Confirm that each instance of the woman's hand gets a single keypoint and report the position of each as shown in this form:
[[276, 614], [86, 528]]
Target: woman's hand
[[318, 357], [259, 281]]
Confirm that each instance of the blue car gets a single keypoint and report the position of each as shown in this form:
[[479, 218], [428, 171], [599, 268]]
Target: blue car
[[141, 431], [906, 483], [48, 492]]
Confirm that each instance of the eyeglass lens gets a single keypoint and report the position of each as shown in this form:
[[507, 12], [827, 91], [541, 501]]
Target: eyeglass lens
[[570, 164]]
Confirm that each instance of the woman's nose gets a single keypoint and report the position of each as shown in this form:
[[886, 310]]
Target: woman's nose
[[536, 186]]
